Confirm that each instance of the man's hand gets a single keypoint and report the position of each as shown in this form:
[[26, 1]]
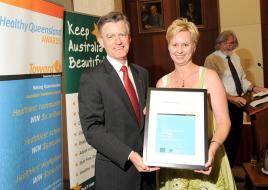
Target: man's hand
[[137, 161], [238, 101], [257, 89]]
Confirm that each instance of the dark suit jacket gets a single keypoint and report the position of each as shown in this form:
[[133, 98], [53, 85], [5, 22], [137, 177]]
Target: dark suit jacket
[[109, 124]]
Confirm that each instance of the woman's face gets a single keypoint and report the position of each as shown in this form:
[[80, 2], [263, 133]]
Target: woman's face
[[181, 48]]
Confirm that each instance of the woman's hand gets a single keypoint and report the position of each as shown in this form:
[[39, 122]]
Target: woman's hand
[[209, 164]]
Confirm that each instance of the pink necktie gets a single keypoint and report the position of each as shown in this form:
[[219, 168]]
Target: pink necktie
[[131, 92]]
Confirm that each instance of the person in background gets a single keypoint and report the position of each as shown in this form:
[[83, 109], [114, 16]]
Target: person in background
[[144, 15], [191, 13], [154, 18], [222, 60], [111, 116], [182, 37]]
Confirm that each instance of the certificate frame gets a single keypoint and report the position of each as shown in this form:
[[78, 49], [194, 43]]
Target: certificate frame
[[176, 128]]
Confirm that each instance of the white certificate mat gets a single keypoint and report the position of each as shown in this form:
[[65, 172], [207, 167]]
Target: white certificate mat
[[176, 128]]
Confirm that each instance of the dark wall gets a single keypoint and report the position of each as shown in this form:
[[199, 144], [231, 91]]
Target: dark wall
[[150, 49]]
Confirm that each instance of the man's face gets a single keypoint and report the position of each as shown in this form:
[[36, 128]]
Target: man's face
[[191, 7], [228, 46], [115, 39], [153, 10]]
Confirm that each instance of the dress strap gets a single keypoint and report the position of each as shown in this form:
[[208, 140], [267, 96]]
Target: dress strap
[[201, 82], [166, 81]]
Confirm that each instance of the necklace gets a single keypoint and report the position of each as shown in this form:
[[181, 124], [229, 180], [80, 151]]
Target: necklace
[[185, 75], [180, 80], [179, 83], [182, 83]]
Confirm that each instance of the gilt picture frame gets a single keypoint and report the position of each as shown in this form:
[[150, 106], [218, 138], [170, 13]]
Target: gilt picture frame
[[150, 16], [192, 10]]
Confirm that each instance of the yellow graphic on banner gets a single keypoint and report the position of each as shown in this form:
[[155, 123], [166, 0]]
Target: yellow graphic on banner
[[95, 32], [77, 187]]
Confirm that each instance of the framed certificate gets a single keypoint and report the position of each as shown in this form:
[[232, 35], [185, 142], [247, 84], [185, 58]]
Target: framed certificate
[[176, 128]]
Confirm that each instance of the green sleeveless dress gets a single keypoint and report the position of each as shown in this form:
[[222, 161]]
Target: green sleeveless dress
[[221, 177]]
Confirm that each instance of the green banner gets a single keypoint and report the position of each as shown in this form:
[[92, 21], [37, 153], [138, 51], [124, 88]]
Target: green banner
[[81, 49]]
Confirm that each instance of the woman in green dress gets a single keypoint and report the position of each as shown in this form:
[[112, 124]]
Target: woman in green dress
[[182, 37]]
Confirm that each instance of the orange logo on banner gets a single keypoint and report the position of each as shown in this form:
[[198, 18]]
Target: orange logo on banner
[[56, 67]]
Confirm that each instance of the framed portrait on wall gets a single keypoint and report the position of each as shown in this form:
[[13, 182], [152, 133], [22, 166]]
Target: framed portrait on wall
[[150, 16], [192, 10]]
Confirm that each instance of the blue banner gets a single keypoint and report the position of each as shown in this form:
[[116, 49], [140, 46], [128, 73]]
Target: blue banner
[[31, 133]]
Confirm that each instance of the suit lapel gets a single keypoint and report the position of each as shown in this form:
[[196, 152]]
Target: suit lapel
[[116, 83], [140, 86]]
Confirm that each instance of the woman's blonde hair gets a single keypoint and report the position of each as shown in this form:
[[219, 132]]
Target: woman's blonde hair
[[180, 25]]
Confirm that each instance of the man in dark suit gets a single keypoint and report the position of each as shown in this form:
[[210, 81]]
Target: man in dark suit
[[110, 122]]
